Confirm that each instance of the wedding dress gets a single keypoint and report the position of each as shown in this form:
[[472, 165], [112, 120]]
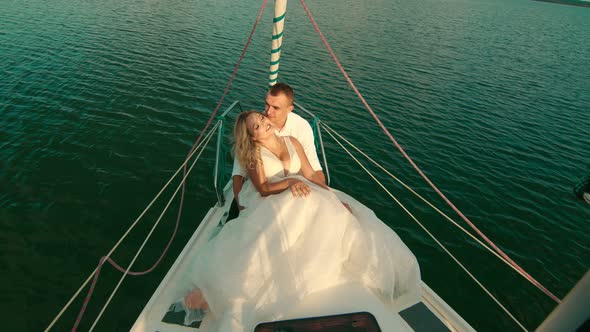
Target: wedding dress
[[282, 248]]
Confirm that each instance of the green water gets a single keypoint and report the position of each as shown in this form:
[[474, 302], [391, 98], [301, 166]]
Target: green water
[[100, 102]]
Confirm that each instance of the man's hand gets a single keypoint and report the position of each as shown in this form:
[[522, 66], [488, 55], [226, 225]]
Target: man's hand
[[300, 188]]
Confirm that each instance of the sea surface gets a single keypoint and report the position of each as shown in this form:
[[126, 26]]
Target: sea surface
[[100, 102]]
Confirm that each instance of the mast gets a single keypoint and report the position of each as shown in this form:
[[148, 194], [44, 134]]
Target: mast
[[277, 40], [573, 313]]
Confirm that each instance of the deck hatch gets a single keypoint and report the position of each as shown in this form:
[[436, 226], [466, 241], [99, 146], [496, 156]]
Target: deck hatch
[[420, 318], [352, 322]]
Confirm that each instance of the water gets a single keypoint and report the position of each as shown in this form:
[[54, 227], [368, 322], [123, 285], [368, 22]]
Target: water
[[100, 102]]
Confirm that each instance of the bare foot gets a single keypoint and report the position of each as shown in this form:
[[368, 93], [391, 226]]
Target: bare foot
[[195, 300]]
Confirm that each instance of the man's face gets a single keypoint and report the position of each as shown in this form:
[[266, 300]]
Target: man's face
[[277, 108]]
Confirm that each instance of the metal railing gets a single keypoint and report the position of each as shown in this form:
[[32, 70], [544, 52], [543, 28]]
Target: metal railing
[[318, 134], [220, 148], [220, 151]]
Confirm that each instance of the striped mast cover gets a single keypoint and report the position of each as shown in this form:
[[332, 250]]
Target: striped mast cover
[[277, 40]]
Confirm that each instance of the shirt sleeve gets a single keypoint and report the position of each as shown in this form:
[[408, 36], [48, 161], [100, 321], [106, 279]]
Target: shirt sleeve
[[306, 140], [238, 169]]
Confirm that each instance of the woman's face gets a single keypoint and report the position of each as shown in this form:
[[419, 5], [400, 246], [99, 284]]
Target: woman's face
[[259, 126]]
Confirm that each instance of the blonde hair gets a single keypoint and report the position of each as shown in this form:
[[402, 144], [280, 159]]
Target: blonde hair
[[245, 149]]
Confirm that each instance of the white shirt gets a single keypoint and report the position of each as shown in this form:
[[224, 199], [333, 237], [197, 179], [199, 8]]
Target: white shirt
[[299, 128]]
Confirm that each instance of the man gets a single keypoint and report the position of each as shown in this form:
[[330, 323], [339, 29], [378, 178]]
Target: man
[[278, 108]]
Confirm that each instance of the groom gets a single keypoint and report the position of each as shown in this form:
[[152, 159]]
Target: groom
[[278, 108]]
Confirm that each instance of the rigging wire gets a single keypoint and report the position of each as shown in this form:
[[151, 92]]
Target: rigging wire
[[182, 183], [326, 127], [432, 185], [430, 234], [65, 307], [184, 167]]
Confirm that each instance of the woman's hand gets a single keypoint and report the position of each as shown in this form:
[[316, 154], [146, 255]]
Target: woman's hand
[[299, 188]]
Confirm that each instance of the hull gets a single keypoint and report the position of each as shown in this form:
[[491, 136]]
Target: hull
[[430, 313]]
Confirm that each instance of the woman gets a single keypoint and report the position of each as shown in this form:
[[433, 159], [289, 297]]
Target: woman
[[294, 238]]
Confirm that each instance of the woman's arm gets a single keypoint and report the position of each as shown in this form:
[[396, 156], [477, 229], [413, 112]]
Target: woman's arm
[[306, 168], [266, 188], [237, 184]]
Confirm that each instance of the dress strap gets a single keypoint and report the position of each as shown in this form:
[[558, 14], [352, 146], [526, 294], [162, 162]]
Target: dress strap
[[290, 146], [295, 165]]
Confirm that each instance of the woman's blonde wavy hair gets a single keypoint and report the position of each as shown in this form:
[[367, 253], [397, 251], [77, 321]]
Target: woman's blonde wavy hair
[[245, 149]]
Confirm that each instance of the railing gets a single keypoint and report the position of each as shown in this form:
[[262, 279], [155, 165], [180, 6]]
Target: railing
[[221, 149], [317, 133], [220, 152]]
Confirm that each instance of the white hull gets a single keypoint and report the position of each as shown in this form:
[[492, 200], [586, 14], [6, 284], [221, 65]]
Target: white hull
[[338, 300]]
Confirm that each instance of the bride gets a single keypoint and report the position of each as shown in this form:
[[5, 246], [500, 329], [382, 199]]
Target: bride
[[295, 237]]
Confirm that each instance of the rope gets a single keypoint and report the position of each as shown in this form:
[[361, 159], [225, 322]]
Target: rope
[[231, 79], [480, 233], [64, 308], [191, 152], [183, 181], [326, 127], [139, 273], [430, 234], [127, 271]]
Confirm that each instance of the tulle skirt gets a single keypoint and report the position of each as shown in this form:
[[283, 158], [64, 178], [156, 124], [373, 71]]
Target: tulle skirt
[[281, 249]]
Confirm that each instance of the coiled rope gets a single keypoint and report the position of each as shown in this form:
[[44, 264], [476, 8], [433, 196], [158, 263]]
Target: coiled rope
[[329, 131], [403, 152]]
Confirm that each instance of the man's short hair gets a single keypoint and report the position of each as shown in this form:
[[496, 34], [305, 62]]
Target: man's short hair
[[279, 88]]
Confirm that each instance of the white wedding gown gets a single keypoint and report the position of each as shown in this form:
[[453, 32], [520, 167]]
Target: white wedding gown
[[281, 249]]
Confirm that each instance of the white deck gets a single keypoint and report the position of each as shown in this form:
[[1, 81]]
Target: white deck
[[337, 300]]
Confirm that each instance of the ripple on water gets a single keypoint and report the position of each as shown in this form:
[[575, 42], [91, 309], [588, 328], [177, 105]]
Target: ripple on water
[[101, 103]]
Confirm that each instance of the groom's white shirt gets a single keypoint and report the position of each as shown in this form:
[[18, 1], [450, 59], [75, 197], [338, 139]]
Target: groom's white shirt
[[299, 128]]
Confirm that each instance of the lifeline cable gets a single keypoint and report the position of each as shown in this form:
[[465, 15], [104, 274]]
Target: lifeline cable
[[63, 309], [432, 236], [126, 271], [190, 152], [480, 233]]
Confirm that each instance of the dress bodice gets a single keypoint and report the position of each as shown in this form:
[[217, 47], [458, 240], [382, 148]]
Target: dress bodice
[[274, 168]]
